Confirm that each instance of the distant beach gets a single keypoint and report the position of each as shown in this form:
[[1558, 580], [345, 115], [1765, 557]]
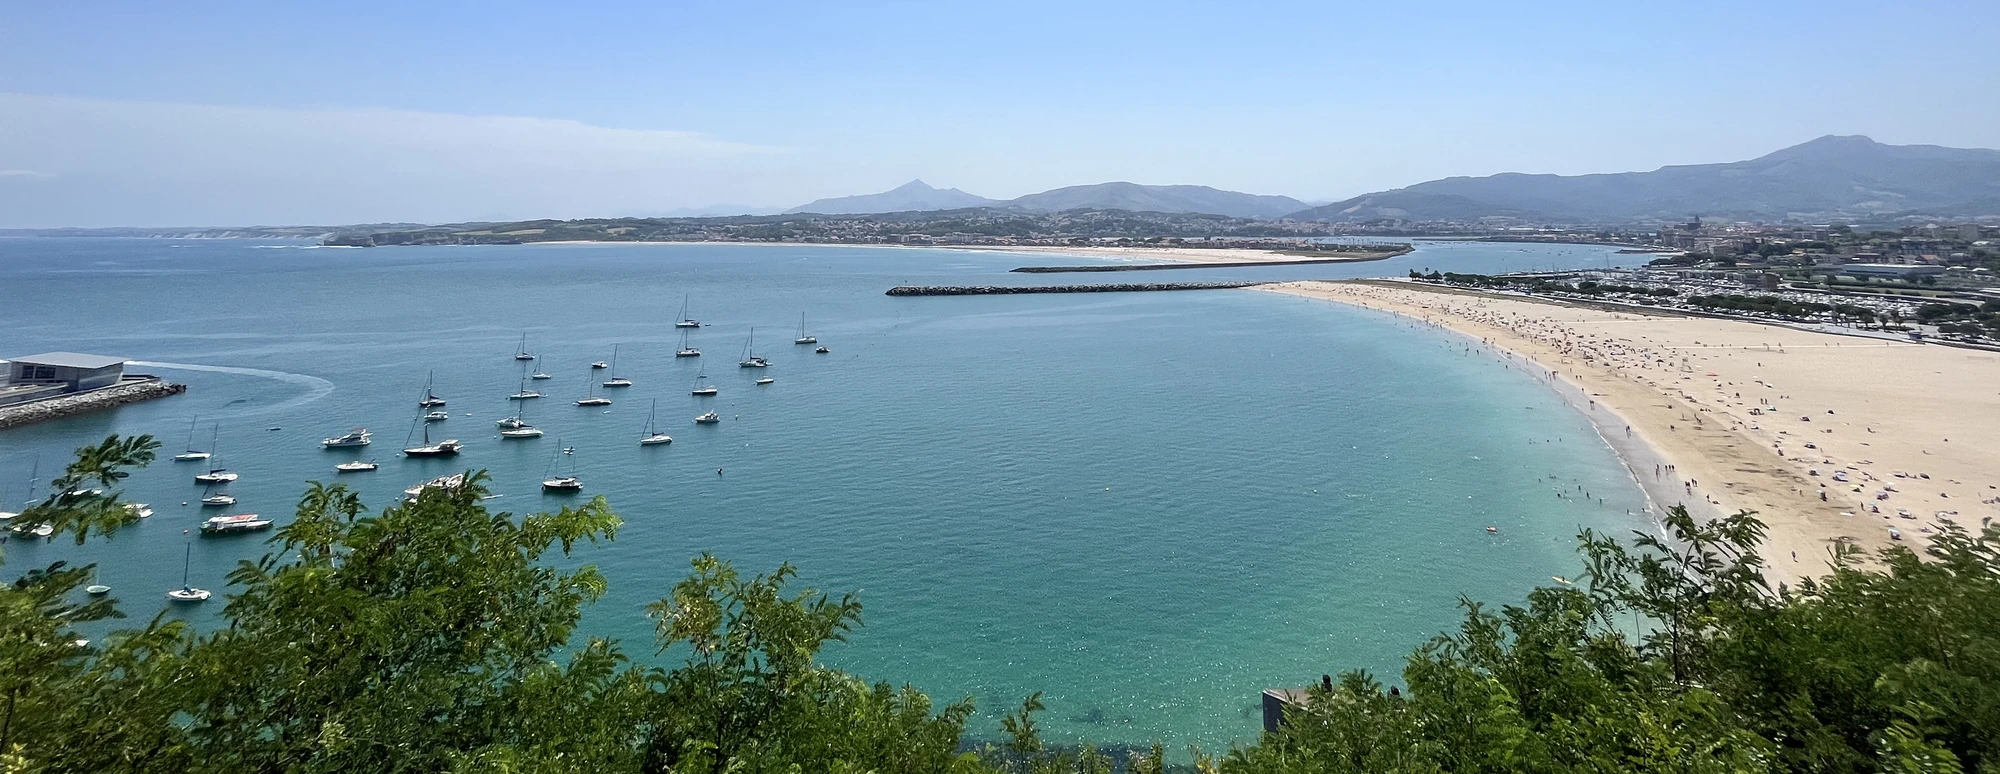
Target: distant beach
[[1726, 415]]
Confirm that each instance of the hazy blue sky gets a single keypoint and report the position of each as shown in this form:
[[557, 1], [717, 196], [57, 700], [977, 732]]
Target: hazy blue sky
[[268, 112]]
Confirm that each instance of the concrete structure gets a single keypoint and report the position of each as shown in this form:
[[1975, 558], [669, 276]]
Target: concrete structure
[[1888, 270], [77, 372]]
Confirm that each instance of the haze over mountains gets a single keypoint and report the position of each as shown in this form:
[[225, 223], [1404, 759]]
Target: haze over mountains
[[918, 196], [1831, 177]]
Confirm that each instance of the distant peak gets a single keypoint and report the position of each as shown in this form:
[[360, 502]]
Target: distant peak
[[915, 185]]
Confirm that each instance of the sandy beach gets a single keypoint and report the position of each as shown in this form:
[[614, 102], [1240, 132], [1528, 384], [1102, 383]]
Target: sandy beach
[[1827, 437]]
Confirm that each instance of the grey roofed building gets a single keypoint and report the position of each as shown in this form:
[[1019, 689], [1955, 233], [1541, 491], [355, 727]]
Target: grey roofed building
[[75, 371]]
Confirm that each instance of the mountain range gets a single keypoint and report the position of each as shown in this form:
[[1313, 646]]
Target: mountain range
[[1833, 177], [916, 195]]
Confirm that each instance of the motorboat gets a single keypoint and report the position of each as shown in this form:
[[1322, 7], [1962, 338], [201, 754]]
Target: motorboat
[[217, 500], [511, 423], [563, 484], [234, 523], [357, 466], [97, 589], [599, 365], [216, 476], [804, 338], [822, 350], [139, 510], [450, 482], [524, 395], [436, 416], [707, 419], [357, 437], [765, 380], [652, 435]]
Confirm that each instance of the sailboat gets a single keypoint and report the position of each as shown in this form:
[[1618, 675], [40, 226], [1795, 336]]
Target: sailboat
[[215, 475], [590, 396], [516, 427], [685, 350], [556, 482], [521, 352], [686, 321], [653, 436], [524, 393], [34, 473], [431, 400], [616, 380], [192, 454], [702, 390], [750, 358], [187, 593], [211, 499], [440, 449], [803, 338], [538, 374]]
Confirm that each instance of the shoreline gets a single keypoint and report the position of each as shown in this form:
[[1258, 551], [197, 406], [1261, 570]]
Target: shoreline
[[1749, 441]]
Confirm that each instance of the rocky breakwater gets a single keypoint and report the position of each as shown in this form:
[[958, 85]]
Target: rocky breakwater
[[994, 290], [132, 390]]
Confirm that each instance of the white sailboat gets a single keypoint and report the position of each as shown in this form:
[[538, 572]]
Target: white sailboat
[[521, 352], [516, 427], [556, 482], [685, 350], [653, 436], [524, 393], [686, 321], [590, 396], [187, 593], [448, 448], [192, 454], [431, 400], [213, 499], [538, 370], [702, 390], [34, 473], [804, 338], [750, 358], [616, 380]]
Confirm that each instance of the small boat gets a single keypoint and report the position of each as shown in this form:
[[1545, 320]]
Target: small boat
[[357, 466], [750, 358], [804, 338], [616, 380], [521, 352], [707, 419], [685, 350], [217, 500], [436, 416], [140, 510], [529, 431], [357, 437], [765, 380], [652, 436], [822, 350], [216, 476], [442, 482], [538, 370], [97, 589], [234, 523], [187, 593], [556, 481], [511, 423], [590, 396], [428, 449], [524, 393], [38, 530], [599, 365], [193, 454], [686, 321]]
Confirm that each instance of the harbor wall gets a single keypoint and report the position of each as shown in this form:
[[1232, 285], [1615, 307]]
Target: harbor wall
[[132, 390], [987, 290]]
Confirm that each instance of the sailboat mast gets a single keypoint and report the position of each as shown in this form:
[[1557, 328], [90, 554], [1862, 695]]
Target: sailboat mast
[[187, 561]]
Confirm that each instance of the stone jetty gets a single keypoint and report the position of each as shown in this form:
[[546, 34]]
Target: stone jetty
[[994, 290], [1186, 265], [130, 391]]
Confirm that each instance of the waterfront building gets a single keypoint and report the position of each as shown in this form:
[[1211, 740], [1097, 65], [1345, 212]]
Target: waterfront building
[[36, 377]]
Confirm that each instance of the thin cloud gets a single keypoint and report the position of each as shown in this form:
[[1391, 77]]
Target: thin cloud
[[135, 162]]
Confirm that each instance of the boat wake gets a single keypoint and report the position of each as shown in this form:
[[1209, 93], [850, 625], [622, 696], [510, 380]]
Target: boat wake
[[316, 388]]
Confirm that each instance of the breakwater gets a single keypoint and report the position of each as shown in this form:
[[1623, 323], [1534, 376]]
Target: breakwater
[[131, 391], [1346, 258], [994, 290]]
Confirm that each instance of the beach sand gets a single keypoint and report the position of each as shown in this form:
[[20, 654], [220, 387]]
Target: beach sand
[[1911, 427]]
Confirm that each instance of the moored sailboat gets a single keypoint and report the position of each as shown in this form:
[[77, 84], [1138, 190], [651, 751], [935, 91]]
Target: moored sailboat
[[187, 593], [652, 436], [616, 380], [804, 338], [686, 321], [192, 454], [750, 358]]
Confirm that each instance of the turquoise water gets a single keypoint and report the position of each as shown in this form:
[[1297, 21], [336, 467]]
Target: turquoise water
[[1147, 506]]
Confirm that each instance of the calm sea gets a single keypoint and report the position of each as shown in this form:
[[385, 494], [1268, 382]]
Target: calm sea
[[1147, 506]]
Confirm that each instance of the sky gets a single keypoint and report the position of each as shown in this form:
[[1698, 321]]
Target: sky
[[215, 113]]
